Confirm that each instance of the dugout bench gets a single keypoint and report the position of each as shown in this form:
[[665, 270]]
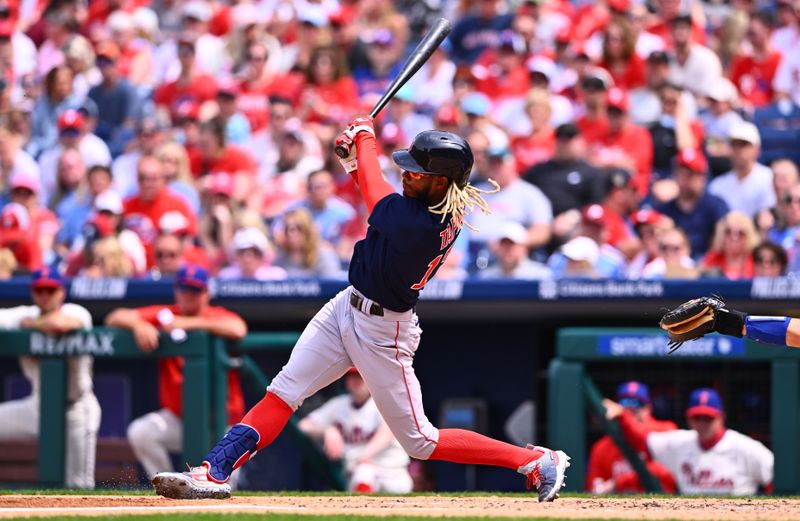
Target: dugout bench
[[570, 388], [206, 364]]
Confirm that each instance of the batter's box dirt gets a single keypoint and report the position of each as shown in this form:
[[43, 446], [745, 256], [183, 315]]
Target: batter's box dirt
[[489, 506]]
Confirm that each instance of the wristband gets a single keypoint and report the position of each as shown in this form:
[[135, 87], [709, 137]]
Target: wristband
[[770, 330]]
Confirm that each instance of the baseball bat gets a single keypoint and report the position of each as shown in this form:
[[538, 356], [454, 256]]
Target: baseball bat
[[432, 40]]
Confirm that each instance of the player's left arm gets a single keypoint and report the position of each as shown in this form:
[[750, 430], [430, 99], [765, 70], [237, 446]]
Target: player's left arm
[[229, 326], [59, 322], [380, 441], [362, 163]]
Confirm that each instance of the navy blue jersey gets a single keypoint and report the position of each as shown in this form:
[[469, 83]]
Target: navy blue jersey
[[403, 249]]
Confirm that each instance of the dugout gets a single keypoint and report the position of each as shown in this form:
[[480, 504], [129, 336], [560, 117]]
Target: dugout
[[759, 384]]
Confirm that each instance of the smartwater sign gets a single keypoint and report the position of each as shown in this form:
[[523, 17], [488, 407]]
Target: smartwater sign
[[656, 345]]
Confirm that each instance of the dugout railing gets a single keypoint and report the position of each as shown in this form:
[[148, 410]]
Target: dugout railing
[[206, 363], [571, 392]]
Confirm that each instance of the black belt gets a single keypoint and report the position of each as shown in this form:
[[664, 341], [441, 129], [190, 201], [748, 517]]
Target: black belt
[[357, 301]]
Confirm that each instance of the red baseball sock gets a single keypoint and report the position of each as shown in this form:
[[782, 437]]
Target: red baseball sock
[[268, 417], [471, 448]]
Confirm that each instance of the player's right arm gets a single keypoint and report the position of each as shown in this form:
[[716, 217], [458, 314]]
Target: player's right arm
[[634, 431], [145, 333]]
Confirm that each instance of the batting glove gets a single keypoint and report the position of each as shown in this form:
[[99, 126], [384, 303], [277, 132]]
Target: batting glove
[[347, 139]]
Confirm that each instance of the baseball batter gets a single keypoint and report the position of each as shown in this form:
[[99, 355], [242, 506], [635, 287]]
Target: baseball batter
[[353, 431], [708, 459], [373, 326], [20, 418]]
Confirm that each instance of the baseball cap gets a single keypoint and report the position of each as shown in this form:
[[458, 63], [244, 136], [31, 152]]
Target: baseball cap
[[392, 134], [173, 222], [692, 159], [745, 131], [100, 226], [497, 152], [46, 278], [567, 131], [108, 201], [246, 238], [658, 57], [191, 276], [71, 119], [227, 87], [382, 37], [510, 40], [704, 402], [594, 214], [542, 65], [187, 110], [633, 394], [581, 249], [7, 28], [406, 93], [221, 184], [620, 6], [198, 10], [25, 180], [617, 98], [683, 18], [311, 14], [722, 89], [597, 79], [646, 216], [514, 232], [619, 178], [447, 115], [476, 103]]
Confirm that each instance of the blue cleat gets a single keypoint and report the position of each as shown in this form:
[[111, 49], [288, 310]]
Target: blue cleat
[[546, 473]]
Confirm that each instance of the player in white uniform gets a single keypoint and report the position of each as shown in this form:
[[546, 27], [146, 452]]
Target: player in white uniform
[[708, 459], [353, 430], [19, 419]]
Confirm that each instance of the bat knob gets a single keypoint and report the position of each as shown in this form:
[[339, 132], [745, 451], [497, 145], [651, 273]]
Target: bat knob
[[342, 150]]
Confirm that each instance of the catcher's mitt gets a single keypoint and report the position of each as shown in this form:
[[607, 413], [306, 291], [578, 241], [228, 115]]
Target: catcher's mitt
[[697, 317]]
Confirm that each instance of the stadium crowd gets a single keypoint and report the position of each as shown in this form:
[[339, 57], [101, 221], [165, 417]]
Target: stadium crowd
[[629, 139]]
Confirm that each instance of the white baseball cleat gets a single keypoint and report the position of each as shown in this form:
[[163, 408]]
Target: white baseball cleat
[[192, 484], [546, 473]]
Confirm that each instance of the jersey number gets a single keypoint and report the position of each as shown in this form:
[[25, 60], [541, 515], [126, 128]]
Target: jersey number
[[431, 268]]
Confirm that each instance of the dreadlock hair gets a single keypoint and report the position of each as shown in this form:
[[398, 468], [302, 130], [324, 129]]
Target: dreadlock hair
[[462, 201]]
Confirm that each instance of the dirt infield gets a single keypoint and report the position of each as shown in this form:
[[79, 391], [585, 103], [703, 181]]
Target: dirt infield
[[565, 508]]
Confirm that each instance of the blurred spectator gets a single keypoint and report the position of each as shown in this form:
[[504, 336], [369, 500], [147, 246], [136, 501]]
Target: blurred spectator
[[674, 260], [589, 254], [218, 218], [433, 83], [13, 158], [539, 145], [548, 76], [56, 98], [476, 108], [260, 80], [786, 231], [30, 229], [708, 459], [8, 264], [730, 255], [479, 30], [784, 176], [70, 177], [302, 253], [748, 186], [73, 132], [649, 225], [149, 136], [147, 212], [511, 252], [80, 58], [693, 66], [608, 471], [169, 256], [645, 101], [155, 434], [108, 259], [193, 85], [116, 100], [620, 202], [237, 127], [593, 124], [576, 259], [694, 210], [402, 111], [718, 121], [770, 260], [216, 155], [516, 201], [330, 212], [568, 181], [177, 173], [74, 210], [788, 31], [135, 59], [381, 67], [330, 93], [252, 256], [57, 32], [500, 73], [619, 55], [624, 145], [779, 130], [752, 73], [787, 76], [674, 131]]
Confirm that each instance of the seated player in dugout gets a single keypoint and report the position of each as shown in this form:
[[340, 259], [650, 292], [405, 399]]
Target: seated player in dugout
[[155, 435], [372, 325], [609, 471], [707, 459], [352, 430]]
